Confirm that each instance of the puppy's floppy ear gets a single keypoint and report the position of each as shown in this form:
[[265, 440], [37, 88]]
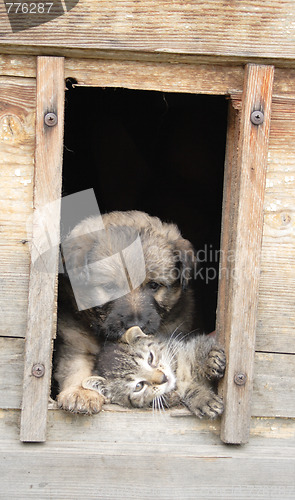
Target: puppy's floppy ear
[[75, 256], [95, 383], [186, 259], [132, 334]]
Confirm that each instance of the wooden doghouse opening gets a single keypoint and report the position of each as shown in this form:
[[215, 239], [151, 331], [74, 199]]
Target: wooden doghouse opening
[[162, 153]]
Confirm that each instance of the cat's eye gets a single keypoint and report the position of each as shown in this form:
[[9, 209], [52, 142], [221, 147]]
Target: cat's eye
[[139, 386], [151, 359]]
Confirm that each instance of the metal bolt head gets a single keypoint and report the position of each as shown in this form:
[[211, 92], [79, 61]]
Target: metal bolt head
[[50, 119], [38, 370], [240, 378], [257, 117]]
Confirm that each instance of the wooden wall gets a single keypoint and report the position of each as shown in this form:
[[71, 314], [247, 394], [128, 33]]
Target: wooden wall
[[17, 144], [110, 456], [276, 317], [129, 453], [275, 328]]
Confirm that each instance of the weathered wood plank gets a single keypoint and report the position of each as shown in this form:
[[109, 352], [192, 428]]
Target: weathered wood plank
[[110, 427], [284, 82], [276, 308], [106, 457], [273, 393], [274, 385], [17, 142], [237, 323], [11, 372], [195, 77], [43, 271], [255, 28], [165, 77], [21, 66], [276, 321]]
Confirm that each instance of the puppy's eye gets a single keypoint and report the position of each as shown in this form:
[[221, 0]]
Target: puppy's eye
[[154, 286], [139, 386], [150, 359], [109, 287]]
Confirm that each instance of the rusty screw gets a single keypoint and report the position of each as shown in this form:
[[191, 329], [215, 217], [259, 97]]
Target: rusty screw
[[50, 119], [240, 378], [257, 117], [38, 370]]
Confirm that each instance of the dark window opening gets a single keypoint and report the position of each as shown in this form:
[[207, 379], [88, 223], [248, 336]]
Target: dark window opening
[[162, 153]]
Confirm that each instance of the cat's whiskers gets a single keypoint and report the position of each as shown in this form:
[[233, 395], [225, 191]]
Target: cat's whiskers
[[174, 345], [158, 406], [165, 401], [161, 407], [175, 342], [172, 351]]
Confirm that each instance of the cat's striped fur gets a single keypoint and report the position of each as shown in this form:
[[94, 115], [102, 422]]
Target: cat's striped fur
[[144, 371]]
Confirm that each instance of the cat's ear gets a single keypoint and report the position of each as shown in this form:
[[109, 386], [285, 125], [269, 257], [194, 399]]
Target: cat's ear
[[132, 334], [95, 383]]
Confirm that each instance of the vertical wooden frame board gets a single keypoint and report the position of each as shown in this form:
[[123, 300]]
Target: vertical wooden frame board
[[242, 226], [44, 249]]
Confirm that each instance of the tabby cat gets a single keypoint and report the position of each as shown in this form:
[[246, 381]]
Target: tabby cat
[[143, 371]]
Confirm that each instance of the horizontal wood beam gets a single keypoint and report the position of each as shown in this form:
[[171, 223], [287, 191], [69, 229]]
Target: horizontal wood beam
[[216, 29]]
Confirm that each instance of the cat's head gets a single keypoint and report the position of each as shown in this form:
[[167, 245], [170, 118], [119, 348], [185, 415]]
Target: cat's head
[[133, 372]]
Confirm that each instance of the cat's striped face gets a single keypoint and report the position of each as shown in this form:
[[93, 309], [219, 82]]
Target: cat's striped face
[[137, 373], [153, 374]]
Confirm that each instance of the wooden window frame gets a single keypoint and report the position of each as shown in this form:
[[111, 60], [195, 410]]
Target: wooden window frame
[[242, 220]]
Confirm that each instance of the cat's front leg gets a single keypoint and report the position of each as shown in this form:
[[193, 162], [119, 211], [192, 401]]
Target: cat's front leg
[[203, 402], [215, 363]]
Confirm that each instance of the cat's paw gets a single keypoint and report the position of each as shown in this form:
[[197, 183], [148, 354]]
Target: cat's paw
[[211, 408], [79, 400], [216, 362]]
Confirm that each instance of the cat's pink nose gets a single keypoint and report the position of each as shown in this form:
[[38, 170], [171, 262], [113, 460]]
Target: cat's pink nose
[[159, 377]]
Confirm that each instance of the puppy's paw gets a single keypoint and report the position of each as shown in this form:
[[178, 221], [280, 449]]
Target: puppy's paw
[[216, 362], [211, 408], [79, 400]]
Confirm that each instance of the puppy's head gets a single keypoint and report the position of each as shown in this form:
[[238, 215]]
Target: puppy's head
[[124, 276]]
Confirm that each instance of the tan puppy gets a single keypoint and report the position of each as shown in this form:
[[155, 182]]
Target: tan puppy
[[136, 271]]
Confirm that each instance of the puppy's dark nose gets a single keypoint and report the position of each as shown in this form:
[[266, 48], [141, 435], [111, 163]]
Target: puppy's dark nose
[[134, 321]]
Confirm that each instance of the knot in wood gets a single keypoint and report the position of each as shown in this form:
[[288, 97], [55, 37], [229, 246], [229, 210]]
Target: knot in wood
[[240, 378]]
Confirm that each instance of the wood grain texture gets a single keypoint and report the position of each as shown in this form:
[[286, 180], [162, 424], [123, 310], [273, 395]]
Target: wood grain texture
[[242, 230], [21, 66], [276, 307], [17, 142], [245, 30], [273, 393], [165, 77], [170, 76], [139, 72], [274, 374], [106, 456], [11, 372], [43, 270]]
